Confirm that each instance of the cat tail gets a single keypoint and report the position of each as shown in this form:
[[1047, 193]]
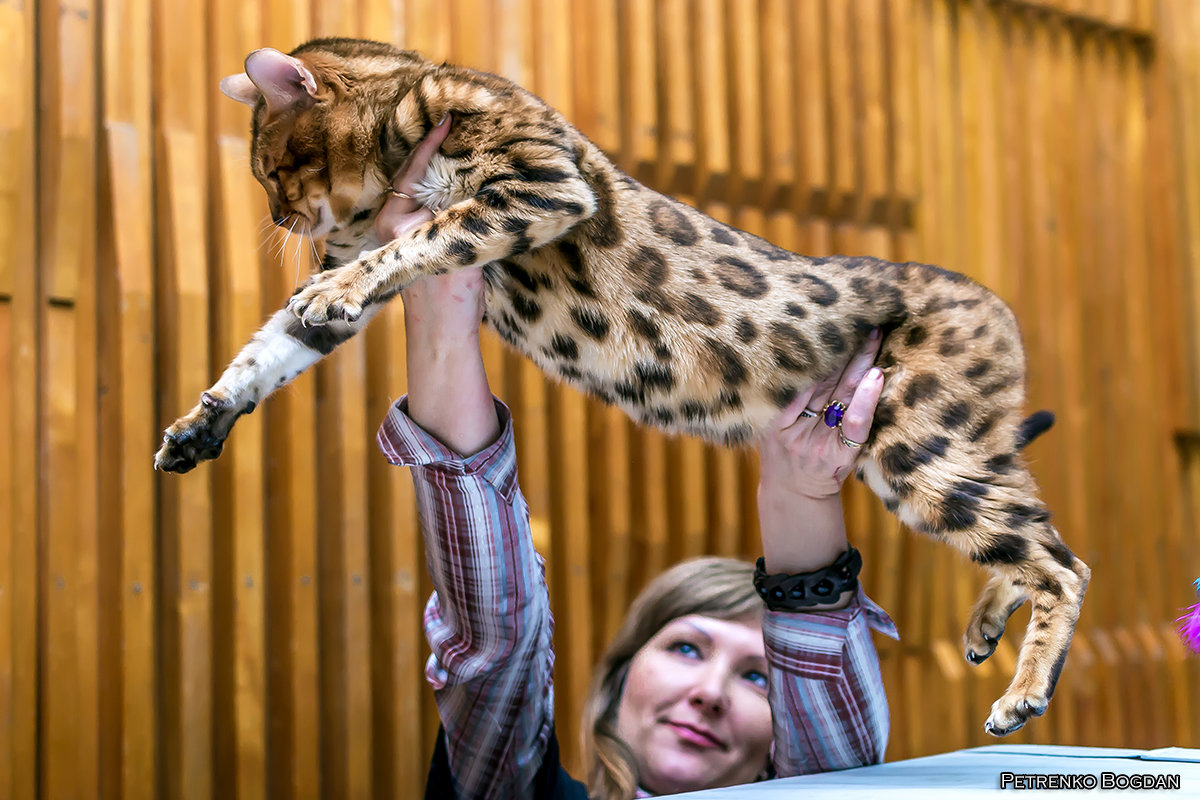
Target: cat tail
[[1034, 426]]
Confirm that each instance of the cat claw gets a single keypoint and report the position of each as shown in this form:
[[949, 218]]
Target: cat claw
[[1011, 713]]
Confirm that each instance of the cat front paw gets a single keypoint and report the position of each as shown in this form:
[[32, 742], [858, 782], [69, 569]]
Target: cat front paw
[[199, 435], [331, 295]]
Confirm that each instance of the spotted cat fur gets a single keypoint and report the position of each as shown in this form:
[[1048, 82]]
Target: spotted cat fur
[[689, 325]]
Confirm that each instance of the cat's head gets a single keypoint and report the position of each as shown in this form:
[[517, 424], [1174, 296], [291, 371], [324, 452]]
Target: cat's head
[[321, 127]]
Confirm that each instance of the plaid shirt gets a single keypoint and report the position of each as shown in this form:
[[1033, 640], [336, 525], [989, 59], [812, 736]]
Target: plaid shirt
[[489, 625]]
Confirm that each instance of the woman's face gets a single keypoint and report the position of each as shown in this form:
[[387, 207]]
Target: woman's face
[[694, 709]]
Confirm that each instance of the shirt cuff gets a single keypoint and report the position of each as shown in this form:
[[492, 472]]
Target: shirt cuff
[[812, 644], [406, 444]]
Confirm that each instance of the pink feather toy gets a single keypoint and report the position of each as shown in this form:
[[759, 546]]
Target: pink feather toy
[[1189, 625]]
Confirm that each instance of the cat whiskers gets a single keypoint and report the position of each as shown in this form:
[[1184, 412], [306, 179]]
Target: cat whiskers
[[296, 250], [266, 233]]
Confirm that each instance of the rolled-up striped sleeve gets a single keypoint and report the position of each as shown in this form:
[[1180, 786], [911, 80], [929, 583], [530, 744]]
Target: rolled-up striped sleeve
[[826, 691], [488, 621]]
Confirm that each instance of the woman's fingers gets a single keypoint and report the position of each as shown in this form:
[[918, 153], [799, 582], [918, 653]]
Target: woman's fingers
[[790, 414], [857, 367], [400, 215], [860, 411], [418, 162]]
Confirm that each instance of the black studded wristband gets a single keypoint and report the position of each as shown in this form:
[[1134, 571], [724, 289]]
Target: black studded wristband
[[782, 592]]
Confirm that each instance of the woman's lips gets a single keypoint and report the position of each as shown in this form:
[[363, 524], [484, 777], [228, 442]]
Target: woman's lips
[[695, 736]]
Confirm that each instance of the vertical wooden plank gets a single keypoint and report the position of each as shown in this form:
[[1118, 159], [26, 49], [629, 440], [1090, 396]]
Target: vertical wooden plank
[[676, 133], [396, 564], [1185, 22], [134, 645], [341, 559], [779, 99], [813, 184], [639, 138], [597, 86], [68, 758], [1091, 650], [185, 368], [743, 30], [713, 148], [7, 539], [1113, 516], [845, 155], [20, 310], [1173, 336], [901, 81], [1142, 298], [871, 129], [129, 425]]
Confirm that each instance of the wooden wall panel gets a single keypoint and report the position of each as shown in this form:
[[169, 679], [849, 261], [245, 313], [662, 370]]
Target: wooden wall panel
[[20, 310], [253, 629]]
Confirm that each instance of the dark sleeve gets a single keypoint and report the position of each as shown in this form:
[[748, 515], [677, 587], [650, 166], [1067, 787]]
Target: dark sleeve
[[551, 782]]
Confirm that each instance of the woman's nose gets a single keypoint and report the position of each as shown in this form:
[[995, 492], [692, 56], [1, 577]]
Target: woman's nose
[[709, 692]]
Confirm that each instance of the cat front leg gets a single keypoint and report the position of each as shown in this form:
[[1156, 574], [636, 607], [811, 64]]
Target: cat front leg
[[505, 220], [274, 356]]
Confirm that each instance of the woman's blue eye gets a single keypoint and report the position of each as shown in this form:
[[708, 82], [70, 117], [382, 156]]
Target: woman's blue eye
[[685, 648], [757, 678]]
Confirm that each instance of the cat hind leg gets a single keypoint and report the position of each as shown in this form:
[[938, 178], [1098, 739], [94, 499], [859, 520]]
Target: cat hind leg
[[1001, 596], [999, 523]]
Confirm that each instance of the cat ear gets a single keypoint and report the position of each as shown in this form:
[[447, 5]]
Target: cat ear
[[239, 87], [284, 81]]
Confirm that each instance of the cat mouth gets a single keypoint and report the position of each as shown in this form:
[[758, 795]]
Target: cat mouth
[[323, 224]]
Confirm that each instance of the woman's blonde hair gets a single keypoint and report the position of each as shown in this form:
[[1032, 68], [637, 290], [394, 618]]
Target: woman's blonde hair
[[722, 588]]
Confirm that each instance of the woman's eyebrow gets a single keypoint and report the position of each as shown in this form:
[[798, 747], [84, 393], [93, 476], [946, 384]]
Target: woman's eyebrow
[[699, 630]]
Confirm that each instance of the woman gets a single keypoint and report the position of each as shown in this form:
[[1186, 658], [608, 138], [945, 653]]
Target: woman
[[701, 687]]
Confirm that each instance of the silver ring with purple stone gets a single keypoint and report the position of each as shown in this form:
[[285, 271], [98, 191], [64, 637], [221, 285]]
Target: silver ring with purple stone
[[833, 413]]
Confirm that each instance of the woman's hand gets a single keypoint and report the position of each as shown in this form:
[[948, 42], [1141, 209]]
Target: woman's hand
[[800, 452], [448, 389], [803, 464]]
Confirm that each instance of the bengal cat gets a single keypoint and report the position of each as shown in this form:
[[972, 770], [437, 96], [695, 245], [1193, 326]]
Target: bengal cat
[[689, 325]]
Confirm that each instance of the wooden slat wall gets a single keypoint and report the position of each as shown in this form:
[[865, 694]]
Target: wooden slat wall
[[253, 629]]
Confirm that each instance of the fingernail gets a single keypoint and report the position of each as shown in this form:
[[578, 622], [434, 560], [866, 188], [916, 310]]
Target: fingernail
[[443, 122], [874, 374], [874, 334]]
